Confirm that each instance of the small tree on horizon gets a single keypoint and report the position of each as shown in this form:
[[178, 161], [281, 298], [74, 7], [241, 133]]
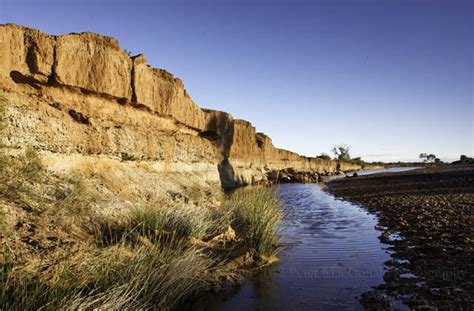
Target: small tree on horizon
[[341, 152], [427, 157]]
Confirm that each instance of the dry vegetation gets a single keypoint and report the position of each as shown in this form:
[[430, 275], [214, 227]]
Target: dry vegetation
[[257, 216], [60, 252]]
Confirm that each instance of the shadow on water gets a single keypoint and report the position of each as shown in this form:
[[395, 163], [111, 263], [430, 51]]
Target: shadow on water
[[332, 256]]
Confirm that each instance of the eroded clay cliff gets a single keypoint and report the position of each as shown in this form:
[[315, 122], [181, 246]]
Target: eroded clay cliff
[[80, 95]]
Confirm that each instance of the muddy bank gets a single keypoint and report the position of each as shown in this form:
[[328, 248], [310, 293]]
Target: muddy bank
[[427, 216]]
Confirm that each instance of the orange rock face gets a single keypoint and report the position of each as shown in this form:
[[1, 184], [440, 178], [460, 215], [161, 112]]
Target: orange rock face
[[25, 54], [93, 63], [164, 94], [81, 94]]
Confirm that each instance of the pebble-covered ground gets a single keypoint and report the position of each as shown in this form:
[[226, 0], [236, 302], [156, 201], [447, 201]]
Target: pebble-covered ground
[[427, 216]]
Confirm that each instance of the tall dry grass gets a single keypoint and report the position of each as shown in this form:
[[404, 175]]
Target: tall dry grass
[[257, 214], [144, 276], [148, 264]]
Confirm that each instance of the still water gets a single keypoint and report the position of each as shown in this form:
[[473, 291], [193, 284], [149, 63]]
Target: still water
[[332, 256], [386, 170]]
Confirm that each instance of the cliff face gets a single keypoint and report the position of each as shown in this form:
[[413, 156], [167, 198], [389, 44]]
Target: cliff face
[[80, 95]]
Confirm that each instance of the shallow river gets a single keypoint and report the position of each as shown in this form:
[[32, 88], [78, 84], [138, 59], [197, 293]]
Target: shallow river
[[332, 256]]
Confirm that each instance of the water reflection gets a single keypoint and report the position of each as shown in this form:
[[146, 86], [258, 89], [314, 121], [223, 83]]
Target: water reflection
[[332, 256]]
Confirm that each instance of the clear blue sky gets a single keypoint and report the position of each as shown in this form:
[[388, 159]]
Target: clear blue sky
[[392, 79]]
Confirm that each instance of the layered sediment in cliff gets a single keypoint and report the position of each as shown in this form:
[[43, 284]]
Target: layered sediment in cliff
[[80, 95]]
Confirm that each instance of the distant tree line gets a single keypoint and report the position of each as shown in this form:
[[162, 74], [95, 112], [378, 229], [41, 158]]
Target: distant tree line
[[431, 158], [342, 154]]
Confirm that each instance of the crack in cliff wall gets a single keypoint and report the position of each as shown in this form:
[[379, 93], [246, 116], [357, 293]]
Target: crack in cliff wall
[[132, 82], [51, 77]]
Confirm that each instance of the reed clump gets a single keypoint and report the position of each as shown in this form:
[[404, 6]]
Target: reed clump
[[257, 214]]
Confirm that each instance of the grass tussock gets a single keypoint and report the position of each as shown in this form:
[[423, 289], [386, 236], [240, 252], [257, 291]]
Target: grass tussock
[[158, 221], [257, 214], [181, 221]]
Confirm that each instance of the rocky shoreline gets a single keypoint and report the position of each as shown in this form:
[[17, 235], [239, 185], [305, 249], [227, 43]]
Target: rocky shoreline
[[427, 218], [290, 175]]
